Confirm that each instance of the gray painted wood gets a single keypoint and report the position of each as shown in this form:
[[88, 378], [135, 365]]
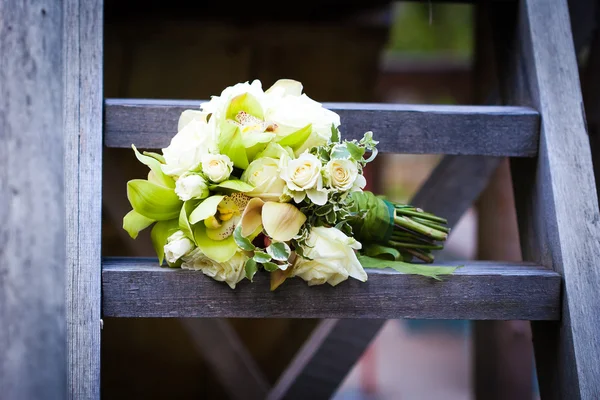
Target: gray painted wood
[[83, 174], [319, 367], [400, 128], [229, 359], [135, 287], [32, 215], [557, 205], [460, 178], [454, 185]]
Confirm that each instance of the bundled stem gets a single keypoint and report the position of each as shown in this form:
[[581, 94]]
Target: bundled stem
[[416, 233]]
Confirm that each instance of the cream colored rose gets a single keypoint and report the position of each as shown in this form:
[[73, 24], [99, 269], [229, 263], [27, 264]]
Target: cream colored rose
[[263, 174], [188, 146], [333, 258], [303, 178], [231, 271], [191, 186], [217, 167], [341, 174], [177, 246]]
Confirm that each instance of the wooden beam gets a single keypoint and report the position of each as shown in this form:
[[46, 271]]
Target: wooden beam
[[454, 185], [32, 214], [320, 365], [400, 128], [228, 358], [137, 287], [557, 206], [83, 173]]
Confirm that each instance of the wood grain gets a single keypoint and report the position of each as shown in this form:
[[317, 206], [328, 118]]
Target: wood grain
[[556, 199], [228, 358], [137, 287], [83, 174], [321, 365], [32, 215], [400, 128]]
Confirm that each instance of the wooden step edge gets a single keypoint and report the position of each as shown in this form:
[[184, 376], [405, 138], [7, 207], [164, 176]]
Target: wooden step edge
[[138, 287]]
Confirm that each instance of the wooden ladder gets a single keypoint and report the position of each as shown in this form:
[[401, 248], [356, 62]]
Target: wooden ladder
[[51, 105]]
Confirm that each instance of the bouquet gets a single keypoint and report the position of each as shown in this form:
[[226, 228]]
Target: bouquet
[[262, 181]]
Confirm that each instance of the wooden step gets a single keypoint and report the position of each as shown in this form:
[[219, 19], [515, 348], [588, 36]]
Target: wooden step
[[400, 128], [138, 287]]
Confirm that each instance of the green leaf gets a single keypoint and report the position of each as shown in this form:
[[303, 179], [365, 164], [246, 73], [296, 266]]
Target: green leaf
[[153, 201], [388, 253], [217, 250], [243, 242], [340, 152], [205, 209], [261, 257], [244, 102], [250, 268], [296, 139], [134, 223], [335, 134], [323, 154], [269, 266], [324, 210], [233, 184], [330, 218], [154, 165], [231, 144], [280, 251], [355, 151], [159, 235], [428, 270], [156, 156], [184, 221]]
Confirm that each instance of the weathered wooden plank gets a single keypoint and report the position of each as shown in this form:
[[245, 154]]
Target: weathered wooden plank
[[454, 185], [83, 174], [32, 215], [557, 205], [400, 128], [319, 377], [137, 287], [235, 368]]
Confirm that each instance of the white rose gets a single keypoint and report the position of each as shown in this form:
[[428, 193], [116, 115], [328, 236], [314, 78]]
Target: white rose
[[187, 147], [333, 258], [263, 174], [217, 167], [290, 112], [177, 246], [343, 175], [231, 271], [191, 186], [303, 178]]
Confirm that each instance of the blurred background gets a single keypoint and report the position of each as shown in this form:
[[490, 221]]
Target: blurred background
[[405, 52]]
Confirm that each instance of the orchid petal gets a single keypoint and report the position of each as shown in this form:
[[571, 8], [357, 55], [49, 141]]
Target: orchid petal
[[153, 201], [205, 209], [289, 87]]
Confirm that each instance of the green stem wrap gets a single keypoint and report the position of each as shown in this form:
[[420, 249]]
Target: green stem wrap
[[378, 223]]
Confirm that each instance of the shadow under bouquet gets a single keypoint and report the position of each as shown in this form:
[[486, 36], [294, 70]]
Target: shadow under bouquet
[[262, 180]]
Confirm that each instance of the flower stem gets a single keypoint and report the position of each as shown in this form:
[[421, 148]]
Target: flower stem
[[432, 224], [427, 257], [406, 245], [420, 228], [413, 212]]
